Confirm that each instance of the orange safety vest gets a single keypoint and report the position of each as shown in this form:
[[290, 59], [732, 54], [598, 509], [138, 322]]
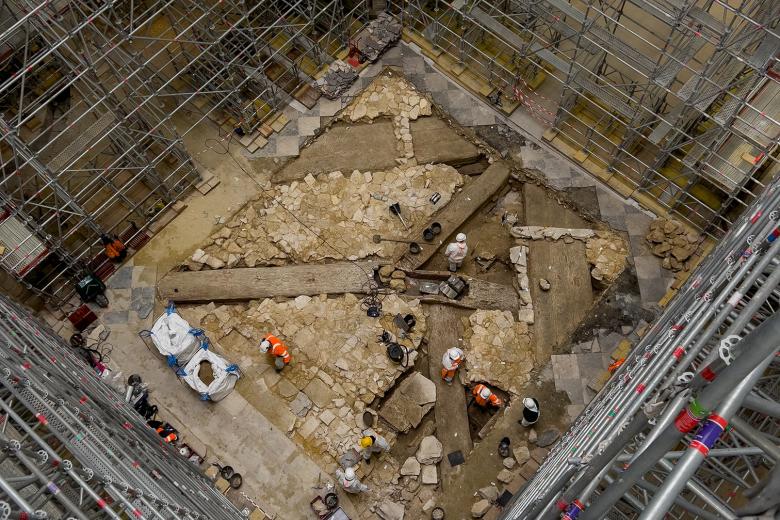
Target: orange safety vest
[[278, 349], [493, 399]]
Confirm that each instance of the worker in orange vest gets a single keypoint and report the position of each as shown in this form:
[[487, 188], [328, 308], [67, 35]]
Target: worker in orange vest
[[115, 249], [485, 397], [164, 430], [277, 349], [450, 361]]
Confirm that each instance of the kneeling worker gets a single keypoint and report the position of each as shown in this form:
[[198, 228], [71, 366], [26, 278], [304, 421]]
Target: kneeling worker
[[530, 412], [349, 481], [485, 397], [276, 348]]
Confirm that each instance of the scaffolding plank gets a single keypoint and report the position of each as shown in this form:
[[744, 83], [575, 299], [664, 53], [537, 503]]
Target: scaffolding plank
[[567, 9], [499, 29], [81, 142], [461, 207], [266, 282]]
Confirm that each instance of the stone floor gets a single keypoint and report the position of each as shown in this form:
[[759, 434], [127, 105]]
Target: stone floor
[[277, 472]]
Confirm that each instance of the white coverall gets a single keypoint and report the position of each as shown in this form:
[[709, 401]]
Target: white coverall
[[456, 252], [380, 444], [350, 486]]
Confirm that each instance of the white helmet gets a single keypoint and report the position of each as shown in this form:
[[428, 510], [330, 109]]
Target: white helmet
[[349, 474], [455, 353], [265, 346], [529, 403], [460, 237], [484, 392]]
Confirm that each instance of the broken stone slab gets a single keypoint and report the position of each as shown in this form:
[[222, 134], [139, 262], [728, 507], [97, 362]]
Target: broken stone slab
[[517, 254], [419, 389], [553, 233], [411, 467], [413, 398], [480, 509], [320, 393], [548, 437], [308, 427], [489, 493], [521, 454], [198, 255], [300, 405], [429, 474], [388, 510], [430, 450], [509, 463], [327, 417]]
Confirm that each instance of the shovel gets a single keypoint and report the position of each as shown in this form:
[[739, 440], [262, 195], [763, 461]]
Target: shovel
[[414, 247], [395, 209]]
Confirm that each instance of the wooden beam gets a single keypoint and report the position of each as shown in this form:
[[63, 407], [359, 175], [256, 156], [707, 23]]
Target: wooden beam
[[267, 282], [460, 208]]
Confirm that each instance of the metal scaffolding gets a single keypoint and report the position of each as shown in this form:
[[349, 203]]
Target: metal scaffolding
[[673, 102], [707, 365], [70, 447], [96, 99]]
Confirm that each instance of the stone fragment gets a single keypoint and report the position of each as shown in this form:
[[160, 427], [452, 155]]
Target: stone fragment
[[198, 255], [411, 467], [429, 474], [398, 285], [509, 463], [308, 428], [302, 301], [548, 437], [214, 262], [300, 405], [386, 271], [480, 509], [327, 417], [504, 476], [359, 112], [544, 284], [398, 275], [532, 436], [430, 450], [516, 254], [489, 493], [521, 454]]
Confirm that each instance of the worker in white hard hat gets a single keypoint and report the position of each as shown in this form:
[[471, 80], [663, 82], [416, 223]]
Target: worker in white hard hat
[[450, 361], [371, 442], [273, 346], [349, 481], [456, 252], [530, 412]]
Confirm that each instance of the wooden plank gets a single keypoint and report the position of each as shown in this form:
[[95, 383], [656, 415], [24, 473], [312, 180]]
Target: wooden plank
[[452, 422], [266, 282], [481, 293], [460, 208]]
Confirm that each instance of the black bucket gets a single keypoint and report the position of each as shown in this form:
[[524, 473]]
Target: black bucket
[[414, 248], [428, 234], [435, 228]]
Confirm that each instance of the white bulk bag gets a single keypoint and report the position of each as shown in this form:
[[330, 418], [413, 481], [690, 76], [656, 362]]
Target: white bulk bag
[[225, 375], [174, 337]]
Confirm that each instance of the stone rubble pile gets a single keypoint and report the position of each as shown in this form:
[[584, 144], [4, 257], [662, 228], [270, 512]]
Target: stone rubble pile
[[338, 366], [498, 350], [344, 210], [518, 255], [394, 97], [604, 250], [337, 80], [671, 241], [382, 31], [606, 253]]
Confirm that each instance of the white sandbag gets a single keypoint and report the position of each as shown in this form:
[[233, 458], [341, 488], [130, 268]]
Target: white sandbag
[[225, 375], [174, 337]]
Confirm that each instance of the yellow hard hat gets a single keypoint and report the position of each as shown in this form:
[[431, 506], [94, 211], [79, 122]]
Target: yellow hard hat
[[366, 441]]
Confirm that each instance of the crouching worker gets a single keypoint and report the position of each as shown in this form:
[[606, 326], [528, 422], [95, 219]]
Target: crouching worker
[[485, 397], [349, 481], [271, 345], [371, 443]]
